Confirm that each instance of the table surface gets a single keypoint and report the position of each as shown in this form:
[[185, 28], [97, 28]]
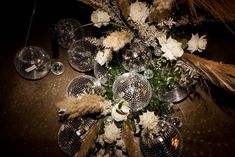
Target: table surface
[[28, 115]]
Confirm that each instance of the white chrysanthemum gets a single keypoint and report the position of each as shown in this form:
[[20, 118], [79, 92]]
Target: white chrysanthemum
[[139, 12], [196, 43], [149, 120], [111, 133], [104, 56], [120, 113], [117, 40], [172, 49], [100, 18]]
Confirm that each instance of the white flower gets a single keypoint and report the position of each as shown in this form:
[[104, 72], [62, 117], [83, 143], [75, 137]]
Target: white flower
[[170, 22], [120, 111], [172, 49], [196, 43], [111, 133], [148, 120], [117, 40], [100, 18], [162, 38], [139, 12], [121, 143], [103, 57]]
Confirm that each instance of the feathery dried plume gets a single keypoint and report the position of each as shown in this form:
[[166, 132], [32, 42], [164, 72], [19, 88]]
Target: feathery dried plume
[[224, 10], [160, 10], [132, 145], [82, 105], [222, 75], [93, 3], [89, 140], [124, 7]]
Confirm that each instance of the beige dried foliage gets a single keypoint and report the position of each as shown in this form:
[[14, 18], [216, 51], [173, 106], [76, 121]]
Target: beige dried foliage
[[124, 7], [89, 140], [132, 146], [224, 10], [160, 10], [117, 40], [222, 75], [84, 104]]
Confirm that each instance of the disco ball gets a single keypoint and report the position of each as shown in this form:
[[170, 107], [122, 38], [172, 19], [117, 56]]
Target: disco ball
[[172, 96], [81, 55], [136, 57], [102, 73], [72, 133], [133, 88], [165, 142], [68, 30], [57, 68], [83, 84], [32, 62]]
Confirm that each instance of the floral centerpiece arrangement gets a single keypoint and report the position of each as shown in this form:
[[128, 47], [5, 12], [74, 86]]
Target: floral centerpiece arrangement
[[143, 62], [142, 66]]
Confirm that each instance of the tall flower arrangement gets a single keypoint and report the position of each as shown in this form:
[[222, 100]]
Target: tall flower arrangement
[[141, 69]]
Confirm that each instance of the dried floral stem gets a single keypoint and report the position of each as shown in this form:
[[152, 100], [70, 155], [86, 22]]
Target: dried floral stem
[[132, 146], [222, 10], [222, 75], [89, 24], [89, 139], [30, 23]]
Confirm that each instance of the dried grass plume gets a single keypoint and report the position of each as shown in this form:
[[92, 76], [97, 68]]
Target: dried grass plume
[[84, 104], [133, 148], [117, 40], [222, 75]]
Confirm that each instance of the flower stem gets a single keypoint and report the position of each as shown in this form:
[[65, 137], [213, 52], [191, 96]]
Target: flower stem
[[116, 24], [30, 23]]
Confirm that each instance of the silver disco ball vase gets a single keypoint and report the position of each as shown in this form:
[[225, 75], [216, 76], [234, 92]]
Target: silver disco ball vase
[[72, 133], [84, 84], [165, 142], [136, 57], [133, 88], [32, 62], [102, 73], [173, 95], [81, 55], [68, 30]]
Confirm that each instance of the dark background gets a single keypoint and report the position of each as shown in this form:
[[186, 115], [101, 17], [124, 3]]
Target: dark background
[[28, 115]]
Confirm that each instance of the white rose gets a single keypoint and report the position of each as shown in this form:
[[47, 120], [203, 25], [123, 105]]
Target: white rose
[[172, 49], [111, 133], [100, 18], [139, 12], [196, 43], [120, 113], [103, 57]]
